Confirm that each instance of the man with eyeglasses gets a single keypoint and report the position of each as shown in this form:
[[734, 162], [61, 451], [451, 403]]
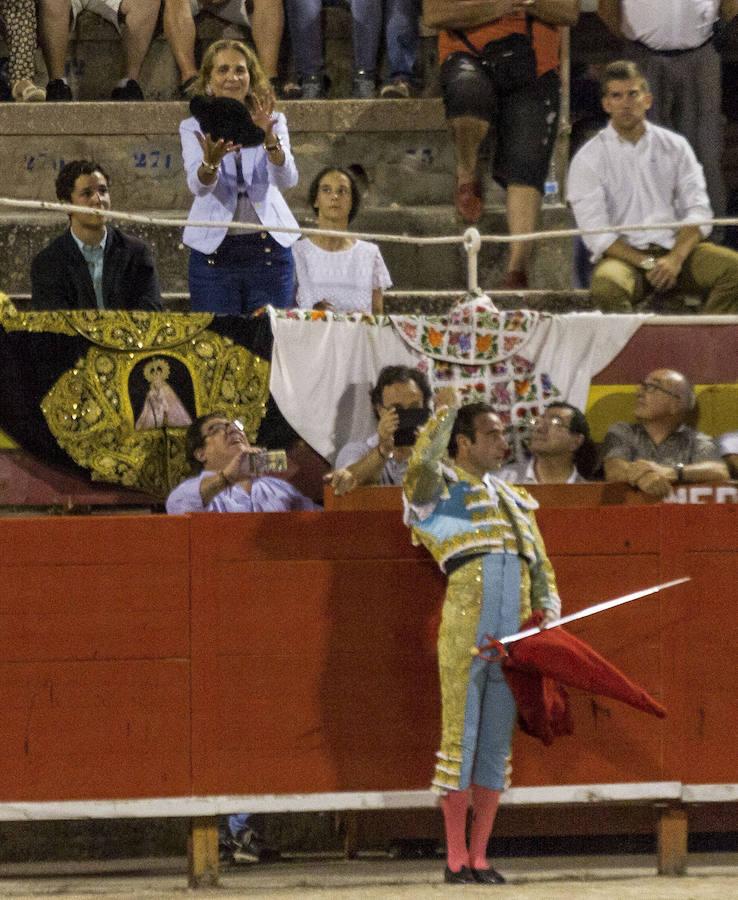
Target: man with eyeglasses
[[561, 449], [661, 450], [219, 451], [382, 458]]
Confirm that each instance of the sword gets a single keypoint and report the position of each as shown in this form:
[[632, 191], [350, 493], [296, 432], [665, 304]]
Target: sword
[[499, 644]]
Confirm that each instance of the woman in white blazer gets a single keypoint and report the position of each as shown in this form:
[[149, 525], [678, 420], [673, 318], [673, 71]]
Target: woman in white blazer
[[237, 272]]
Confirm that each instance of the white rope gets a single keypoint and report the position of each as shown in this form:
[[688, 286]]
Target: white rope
[[467, 238]]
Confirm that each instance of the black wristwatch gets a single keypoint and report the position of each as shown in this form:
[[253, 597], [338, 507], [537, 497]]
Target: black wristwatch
[[679, 469]]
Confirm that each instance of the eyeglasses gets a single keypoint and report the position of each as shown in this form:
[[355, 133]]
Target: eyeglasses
[[548, 421], [213, 428], [650, 386]]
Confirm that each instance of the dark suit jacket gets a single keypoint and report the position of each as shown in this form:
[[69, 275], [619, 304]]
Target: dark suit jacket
[[60, 278]]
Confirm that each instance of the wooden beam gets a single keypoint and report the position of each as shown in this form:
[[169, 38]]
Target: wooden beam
[[202, 852], [672, 830]]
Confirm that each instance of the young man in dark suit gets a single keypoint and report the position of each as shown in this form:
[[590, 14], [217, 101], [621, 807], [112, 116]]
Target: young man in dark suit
[[93, 265]]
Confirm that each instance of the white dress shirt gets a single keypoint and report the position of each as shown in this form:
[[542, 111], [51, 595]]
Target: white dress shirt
[[669, 24], [217, 202], [525, 473], [616, 182]]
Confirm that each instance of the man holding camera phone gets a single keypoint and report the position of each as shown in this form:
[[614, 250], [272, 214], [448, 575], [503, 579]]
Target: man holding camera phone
[[401, 400], [230, 475], [499, 67]]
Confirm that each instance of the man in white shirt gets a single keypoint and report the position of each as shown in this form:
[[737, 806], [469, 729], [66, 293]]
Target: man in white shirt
[[636, 173], [561, 449], [671, 42]]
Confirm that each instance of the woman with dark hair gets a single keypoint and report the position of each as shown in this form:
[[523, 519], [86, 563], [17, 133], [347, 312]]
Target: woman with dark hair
[[341, 274], [238, 272]]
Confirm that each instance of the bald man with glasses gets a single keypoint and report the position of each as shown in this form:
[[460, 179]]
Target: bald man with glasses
[[660, 450]]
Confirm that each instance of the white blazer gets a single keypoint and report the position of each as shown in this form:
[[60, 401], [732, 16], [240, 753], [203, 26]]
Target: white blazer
[[217, 202]]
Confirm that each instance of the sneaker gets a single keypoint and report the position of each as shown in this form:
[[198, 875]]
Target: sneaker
[[58, 91], [25, 91], [247, 847], [468, 202], [363, 86], [130, 91], [313, 87], [292, 90], [397, 89]]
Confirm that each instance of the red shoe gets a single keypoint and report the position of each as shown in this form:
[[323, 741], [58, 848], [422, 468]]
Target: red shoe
[[468, 202], [514, 281]]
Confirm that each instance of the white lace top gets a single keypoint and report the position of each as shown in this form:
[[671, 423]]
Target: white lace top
[[345, 278]]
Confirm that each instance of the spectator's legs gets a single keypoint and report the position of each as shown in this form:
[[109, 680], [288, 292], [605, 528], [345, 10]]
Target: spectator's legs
[[712, 272], [179, 30], [267, 25], [19, 17], [366, 31], [616, 286], [702, 120], [468, 133], [237, 822], [54, 35], [306, 36], [401, 38], [470, 104], [137, 32], [527, 123], [523, 210], [686, 98]]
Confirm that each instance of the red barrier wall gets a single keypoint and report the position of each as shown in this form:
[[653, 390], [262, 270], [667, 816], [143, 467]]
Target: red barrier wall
[[285, 653]]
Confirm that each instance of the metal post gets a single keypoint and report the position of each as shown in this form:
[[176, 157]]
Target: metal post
[[561, 149], [472, 245]]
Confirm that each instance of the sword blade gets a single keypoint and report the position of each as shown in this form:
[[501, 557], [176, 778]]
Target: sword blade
[[593, 610]]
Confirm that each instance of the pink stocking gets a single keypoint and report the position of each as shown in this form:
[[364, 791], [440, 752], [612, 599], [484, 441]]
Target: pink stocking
[[454, 806], [484, 810]]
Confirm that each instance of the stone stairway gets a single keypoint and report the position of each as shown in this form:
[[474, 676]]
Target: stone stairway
[[399, 148]]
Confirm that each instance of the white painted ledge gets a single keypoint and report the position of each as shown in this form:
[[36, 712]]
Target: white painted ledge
[[163, 807]]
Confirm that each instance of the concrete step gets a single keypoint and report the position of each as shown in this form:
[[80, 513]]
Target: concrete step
[[401, 145], [95, 57], [431, 267]]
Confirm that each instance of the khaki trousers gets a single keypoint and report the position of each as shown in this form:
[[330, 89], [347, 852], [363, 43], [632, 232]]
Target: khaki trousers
[[709, 272]]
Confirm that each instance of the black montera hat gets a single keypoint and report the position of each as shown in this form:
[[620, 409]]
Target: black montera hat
[[224, 117]]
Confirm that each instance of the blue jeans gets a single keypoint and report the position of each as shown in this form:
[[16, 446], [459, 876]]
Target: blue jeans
[[401, 35], [246, 272], [237, 823]]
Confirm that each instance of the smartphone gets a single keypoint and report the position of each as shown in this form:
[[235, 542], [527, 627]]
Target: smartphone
[[264, 461], [410, 421]]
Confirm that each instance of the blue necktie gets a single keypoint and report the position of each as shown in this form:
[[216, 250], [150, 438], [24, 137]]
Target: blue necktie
[[94, 258]]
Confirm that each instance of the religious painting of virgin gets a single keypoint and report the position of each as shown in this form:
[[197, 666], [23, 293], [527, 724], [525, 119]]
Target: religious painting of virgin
[[161, 393]]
